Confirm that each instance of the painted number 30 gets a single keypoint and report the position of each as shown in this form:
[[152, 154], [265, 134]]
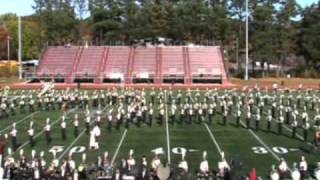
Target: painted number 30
[[263, 150]]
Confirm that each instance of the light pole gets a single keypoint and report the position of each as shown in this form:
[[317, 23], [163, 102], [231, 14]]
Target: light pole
[[20, 48], [247, 42], [8, 47]]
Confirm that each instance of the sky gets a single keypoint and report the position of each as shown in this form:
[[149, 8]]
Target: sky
[[24, 7]]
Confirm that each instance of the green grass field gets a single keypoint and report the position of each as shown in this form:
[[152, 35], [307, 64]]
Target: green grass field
[[245, 148]]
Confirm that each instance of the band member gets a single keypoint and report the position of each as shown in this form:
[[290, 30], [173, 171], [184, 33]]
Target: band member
[[258, 117], [31, 104], [139, 118], [303, 167], [76, 125], [109, 121], [204, 165], [280, 123], [287, 110], [225, 115], [94, 138], [31, 134], [317, 137], [190, 114], [63, 126], [305, 127], [130, 161], [161, 116], [156, 162], [183, 163], [294, 125], [173, 114], [150, 116], [283, 169], [295, 173], [87, 123], [269, 120], [248, 119], [47, 129], [316, 171], [274, 174], [182, 115], [223, 167], [13, 134], [3, 142], [119, 120], [22, 105], [273, 110]]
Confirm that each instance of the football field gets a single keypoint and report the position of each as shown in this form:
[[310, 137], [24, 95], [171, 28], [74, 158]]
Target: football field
[[244, 148]]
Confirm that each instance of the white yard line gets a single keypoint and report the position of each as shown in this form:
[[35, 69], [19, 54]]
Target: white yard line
[[41, 132], [167, 130], [261, 142], [119, 146], [70, 146], [213, 138], [18, 122]]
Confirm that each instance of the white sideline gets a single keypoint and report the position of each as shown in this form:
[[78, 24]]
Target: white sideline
[[213, 138], [18, 122], [119, 145], [167, 130]]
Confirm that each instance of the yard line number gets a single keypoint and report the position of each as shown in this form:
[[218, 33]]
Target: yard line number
[[276, 149]]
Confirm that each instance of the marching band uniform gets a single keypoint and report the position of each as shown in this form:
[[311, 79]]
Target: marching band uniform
[[150, 116], [31, 134], [280, 123], [306, 127], [295, 173], [87, 123], [316, 172], [161, 116], [238, 118], [76, 126], [303, 167], [204, 165], [225, 114], [13, 134], [47, 129], [258, 117], [294, 125], [130, 161], [248, 118], [63, 129], [184, 164], [283, 168], [223, 167], [269, 120]]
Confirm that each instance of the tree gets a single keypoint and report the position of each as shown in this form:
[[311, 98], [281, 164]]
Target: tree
[[309, 40], [286, 30], [58, 20], [107, 21]]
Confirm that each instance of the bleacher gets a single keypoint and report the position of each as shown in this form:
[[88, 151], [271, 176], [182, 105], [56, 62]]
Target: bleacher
[[89, 62], [57, 62], [115, 64], [172, 64], [115, 68], [144, 64], [206, 64]]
